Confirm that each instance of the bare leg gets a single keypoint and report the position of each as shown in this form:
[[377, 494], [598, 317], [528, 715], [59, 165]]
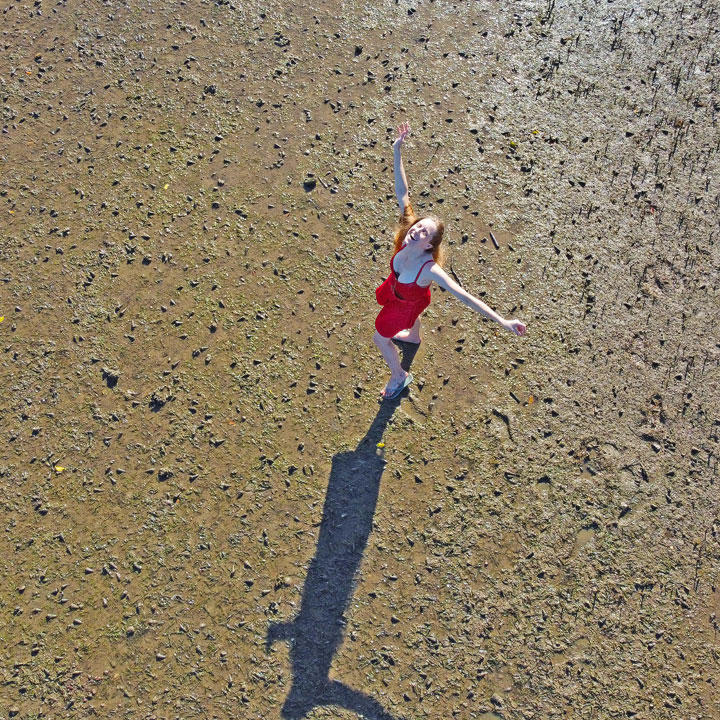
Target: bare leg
[[412, 335], [392, 358]]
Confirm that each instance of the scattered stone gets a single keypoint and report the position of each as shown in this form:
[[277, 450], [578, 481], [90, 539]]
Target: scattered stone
[[110, 376]]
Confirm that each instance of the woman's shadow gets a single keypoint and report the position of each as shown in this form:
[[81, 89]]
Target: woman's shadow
[[317, 632]]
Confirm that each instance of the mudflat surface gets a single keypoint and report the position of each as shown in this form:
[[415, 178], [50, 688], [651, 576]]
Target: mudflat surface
[[196, 204]]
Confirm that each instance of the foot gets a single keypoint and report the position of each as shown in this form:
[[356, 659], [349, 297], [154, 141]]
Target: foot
[[408, 336], [393, 383], [396, 385]]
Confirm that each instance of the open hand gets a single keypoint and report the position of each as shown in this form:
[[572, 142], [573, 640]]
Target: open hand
[[403, 131], [515, 326]]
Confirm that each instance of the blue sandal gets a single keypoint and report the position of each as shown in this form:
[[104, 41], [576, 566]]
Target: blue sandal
[[393, 392]]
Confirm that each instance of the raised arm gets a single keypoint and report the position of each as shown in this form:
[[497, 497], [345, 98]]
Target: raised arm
[[445, 281], [401, 187]]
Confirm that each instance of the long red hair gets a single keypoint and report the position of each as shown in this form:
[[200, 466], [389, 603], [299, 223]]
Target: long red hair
[[407, 220]]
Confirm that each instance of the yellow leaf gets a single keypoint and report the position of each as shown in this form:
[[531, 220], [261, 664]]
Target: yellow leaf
[[2, 318], [381, 444], [59, 468], [531, 400], [166, 186]]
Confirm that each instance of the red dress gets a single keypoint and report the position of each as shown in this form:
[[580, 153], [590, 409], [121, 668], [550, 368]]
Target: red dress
[[402, 302]]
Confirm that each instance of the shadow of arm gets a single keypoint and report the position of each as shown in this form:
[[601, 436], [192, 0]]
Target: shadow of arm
[[278, 632]]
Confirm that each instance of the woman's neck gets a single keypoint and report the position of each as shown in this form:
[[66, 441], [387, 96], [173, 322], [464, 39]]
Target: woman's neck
[[416, 253]]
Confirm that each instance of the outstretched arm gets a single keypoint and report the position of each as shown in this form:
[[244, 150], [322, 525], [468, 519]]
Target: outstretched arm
[[401, 187], [445, 281]]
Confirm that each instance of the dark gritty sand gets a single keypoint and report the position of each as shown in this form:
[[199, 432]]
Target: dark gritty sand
[[196, 203]]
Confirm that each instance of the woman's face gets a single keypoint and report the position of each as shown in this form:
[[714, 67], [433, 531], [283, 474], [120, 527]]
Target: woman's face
[[421, 233]]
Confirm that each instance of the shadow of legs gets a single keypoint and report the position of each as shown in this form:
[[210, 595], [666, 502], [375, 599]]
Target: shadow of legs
[[408, 351]]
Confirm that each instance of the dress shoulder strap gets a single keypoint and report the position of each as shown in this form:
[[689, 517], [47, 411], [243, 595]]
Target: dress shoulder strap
[[421, 269]]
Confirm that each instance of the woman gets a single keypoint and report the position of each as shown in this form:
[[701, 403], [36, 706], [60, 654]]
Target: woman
[[415, 264]]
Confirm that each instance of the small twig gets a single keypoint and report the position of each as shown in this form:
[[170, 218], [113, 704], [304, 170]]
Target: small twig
[[495, 242], [455, 275], [437, 147]]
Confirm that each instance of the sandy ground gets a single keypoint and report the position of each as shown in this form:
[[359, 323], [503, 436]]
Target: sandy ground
[[196, 204]]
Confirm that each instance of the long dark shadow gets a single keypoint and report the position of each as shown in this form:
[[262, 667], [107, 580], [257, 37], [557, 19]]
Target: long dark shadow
[[317, 632]]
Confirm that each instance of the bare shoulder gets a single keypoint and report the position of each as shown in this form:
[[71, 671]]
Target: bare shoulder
[[433, 271]]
